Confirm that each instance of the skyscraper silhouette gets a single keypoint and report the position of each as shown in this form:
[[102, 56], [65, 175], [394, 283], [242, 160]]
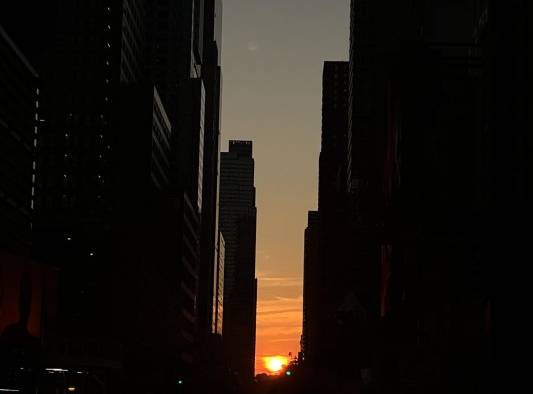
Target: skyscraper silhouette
[[212, 75], [128, 161], [312, 282], [238, 216]]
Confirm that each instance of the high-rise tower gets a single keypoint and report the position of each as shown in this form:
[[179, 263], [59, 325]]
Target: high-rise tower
[[238, 216]]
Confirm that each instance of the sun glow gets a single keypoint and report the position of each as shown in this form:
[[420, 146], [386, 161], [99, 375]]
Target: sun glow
[[275, 364]]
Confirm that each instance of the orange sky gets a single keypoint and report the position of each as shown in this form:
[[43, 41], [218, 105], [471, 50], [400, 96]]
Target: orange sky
[[272, 57]]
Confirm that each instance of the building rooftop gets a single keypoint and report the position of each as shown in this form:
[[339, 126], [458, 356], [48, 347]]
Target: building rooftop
[[242, 148]]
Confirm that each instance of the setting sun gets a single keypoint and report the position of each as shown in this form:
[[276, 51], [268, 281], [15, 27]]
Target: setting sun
[[275, 364]]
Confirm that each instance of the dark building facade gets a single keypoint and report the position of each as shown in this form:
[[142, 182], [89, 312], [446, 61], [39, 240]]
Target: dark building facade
[[175, 57], [311, 312], [99, 48], [211, 73], [434, 198], [154, 305], [126, 183], [238, 218], [334, 321], [105, 153], [174, 66], [184, 53], [24, 284], [19, 122], [427, 102]]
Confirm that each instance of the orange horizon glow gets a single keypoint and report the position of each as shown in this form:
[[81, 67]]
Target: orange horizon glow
[[279, 320], [274, 364]]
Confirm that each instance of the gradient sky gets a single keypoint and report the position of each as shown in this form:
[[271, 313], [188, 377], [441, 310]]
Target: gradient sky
[[272, 58]]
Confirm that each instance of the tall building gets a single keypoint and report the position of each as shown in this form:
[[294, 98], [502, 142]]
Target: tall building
[[332, 166], [426, 102], [211, 75], [337, 285], [99, 48], [175, 57], [25, 285], [331, 296], [238, 216], [113, 207], [86, 166], [311, 306], [503, 173], [19, 129], [184, 63]]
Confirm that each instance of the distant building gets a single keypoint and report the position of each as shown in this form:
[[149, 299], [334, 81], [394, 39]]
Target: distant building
[[312, 284], [238, 218], [328, 266]]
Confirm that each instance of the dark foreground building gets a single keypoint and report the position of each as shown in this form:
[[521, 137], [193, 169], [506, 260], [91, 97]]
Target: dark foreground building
[[19, 129], [209, 264], [26, 288], [238, 218], [432, 168], [121, 195], [437, 182]]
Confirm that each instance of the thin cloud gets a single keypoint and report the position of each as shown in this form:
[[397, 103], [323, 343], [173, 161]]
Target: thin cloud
[[269, 282], [280, 303], [279, 319], [263, 313]]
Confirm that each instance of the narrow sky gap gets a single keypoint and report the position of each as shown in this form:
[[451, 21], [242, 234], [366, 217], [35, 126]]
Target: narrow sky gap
[[272, 59]]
